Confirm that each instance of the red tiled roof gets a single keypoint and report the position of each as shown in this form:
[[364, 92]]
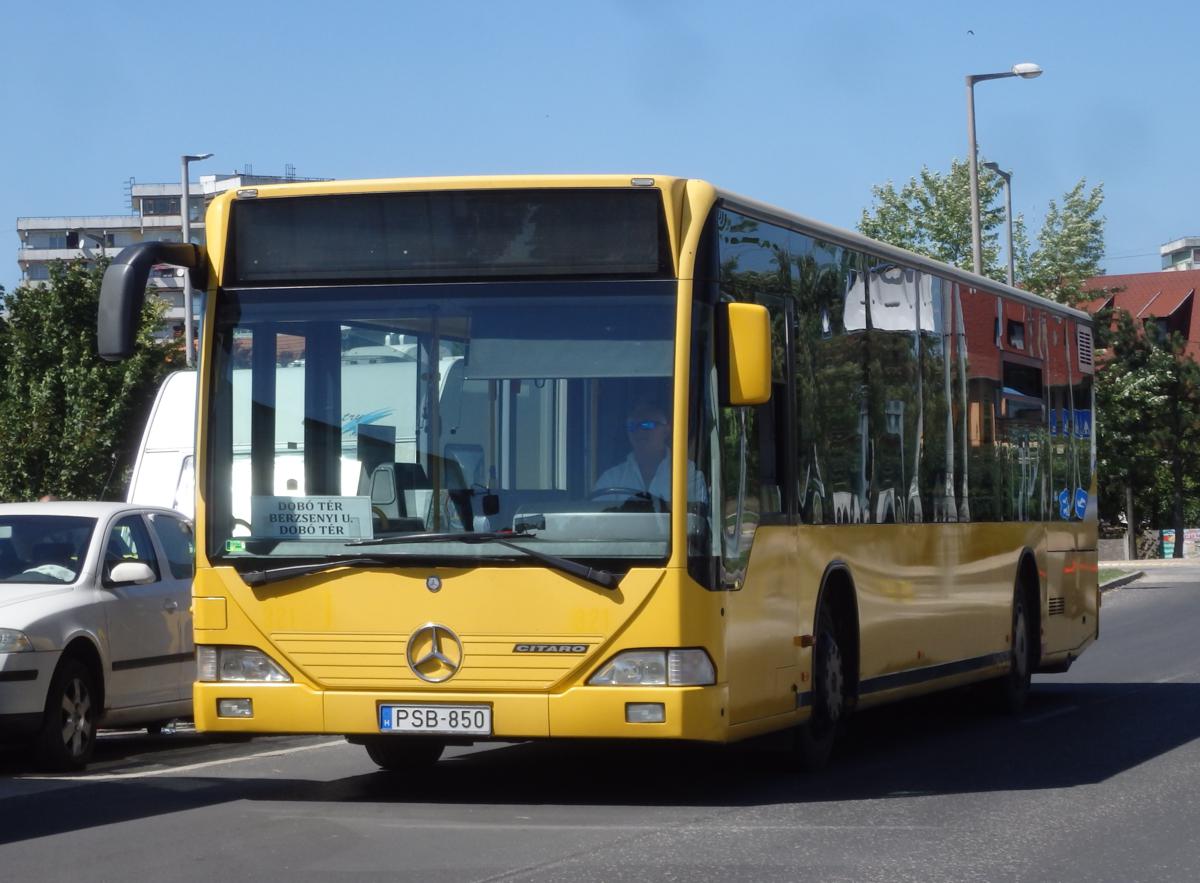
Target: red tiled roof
[[1150, 295]]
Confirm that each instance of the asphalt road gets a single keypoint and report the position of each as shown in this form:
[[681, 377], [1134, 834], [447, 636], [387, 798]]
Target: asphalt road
[[1097, 780]]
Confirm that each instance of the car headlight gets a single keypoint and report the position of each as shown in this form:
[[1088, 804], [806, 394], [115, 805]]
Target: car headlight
[[656, 668], [13, 641], [215, 663]]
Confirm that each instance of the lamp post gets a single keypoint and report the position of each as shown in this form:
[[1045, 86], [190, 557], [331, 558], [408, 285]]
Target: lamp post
[[1007, 177], [1026, 71], [184, 214]]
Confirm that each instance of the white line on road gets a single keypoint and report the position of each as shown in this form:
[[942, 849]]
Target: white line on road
[[143, 774]]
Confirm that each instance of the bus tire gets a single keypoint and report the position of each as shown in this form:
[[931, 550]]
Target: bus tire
[[816, 737], [68, 733], [404, 754], [1012, 690]]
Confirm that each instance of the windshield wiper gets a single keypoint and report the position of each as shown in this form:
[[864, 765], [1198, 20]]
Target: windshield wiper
[[277, 574], [603, 578]]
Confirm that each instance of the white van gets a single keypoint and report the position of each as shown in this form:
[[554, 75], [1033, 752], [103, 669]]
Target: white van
[[164, 472]]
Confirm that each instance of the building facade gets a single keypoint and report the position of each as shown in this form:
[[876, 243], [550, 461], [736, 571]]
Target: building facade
[[1181, 254], [154, 216]]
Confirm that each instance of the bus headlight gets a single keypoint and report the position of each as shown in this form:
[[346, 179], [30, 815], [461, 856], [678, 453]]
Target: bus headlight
[[215, 663], [656, 668]]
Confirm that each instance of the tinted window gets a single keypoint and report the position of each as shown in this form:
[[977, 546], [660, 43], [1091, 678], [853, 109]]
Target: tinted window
[[830, 321], [936, 466], [893, 366], [175, 536]]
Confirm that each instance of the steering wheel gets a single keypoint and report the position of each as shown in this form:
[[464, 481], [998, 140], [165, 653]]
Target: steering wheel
[[635, 500]]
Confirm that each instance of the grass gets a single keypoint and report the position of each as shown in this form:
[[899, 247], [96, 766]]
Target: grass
[[1111, 573]]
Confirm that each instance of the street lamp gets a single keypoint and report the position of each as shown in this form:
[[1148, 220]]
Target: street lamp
[[1026, 71], [185, 216], [1007, 176]]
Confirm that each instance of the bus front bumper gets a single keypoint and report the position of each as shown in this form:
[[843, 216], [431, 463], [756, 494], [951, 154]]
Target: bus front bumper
[[688, 713]]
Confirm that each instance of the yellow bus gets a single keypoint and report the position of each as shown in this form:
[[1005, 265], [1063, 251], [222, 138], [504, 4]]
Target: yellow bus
[[614, 457]]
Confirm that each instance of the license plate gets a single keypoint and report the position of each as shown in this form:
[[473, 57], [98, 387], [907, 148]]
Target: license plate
[[467, 720]]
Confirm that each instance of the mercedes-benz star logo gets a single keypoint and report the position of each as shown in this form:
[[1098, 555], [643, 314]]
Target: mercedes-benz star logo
[[435, 653]]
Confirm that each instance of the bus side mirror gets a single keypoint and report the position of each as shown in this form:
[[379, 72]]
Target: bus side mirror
[[745, 353], [123, 291]]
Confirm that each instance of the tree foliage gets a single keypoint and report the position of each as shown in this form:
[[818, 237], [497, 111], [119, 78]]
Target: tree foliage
[[66, 416], [931, 215], [1148, 399], [1070, 247]]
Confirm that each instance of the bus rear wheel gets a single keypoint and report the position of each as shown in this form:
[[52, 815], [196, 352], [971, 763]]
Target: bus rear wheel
[[815, 739], [401, 754], [1013, 689]]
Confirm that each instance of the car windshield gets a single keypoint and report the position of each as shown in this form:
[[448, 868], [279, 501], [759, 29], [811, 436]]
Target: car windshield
[[43, 548], [347, 415]]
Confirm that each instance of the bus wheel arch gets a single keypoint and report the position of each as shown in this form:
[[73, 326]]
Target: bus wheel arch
[[1029, 582]]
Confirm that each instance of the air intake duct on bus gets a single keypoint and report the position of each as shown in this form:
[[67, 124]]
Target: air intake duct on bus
[[123, 291]]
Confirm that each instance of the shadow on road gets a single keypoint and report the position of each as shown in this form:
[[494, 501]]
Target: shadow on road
[[1070, 735]]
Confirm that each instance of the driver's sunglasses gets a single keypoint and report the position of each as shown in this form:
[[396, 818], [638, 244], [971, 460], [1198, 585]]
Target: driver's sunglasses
[[643, 425]]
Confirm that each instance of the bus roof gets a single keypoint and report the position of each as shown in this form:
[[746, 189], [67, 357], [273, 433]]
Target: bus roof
[[669, 185], [859, 242]]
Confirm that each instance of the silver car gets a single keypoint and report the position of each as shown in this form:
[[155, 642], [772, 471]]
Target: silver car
[[95, 623]]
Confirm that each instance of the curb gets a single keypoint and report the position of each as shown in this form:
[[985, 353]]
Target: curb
[[1122, 580]]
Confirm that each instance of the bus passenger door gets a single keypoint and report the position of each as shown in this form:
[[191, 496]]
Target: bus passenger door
[[758, 540]]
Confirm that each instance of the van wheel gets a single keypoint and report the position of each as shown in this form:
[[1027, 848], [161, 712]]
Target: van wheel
[[68, 733], [1012, 690], [816, 737], [402, 754]]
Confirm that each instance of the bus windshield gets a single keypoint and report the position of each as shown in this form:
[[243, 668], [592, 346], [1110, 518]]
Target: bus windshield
[[368, 413]]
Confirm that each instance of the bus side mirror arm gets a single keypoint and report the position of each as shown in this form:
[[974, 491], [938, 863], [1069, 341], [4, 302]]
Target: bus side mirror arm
[[123, 291]]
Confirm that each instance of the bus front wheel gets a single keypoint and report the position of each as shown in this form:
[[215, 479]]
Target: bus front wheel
[[399, 754], [815, 739]]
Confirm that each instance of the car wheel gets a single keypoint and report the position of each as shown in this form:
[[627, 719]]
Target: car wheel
[[68, 733], [815, 739], [400, 754]]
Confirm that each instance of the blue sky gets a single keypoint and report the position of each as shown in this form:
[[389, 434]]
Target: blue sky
[[805, 105]]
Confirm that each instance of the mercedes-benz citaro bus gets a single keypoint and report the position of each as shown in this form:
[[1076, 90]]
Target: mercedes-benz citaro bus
[[613, 457]]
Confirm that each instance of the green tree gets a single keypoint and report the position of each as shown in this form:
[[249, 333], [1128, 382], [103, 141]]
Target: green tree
[[66, 416], [931, 215], [1070, 247]]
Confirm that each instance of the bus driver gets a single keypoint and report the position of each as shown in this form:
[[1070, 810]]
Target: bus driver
[[647, 468]]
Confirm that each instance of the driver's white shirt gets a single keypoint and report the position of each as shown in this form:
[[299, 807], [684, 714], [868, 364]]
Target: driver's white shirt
[[627, 474]]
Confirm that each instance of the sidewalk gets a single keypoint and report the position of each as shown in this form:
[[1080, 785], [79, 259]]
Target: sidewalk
[[1138, 569]]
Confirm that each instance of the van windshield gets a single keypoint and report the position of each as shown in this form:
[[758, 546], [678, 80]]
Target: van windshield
[[344, 415]]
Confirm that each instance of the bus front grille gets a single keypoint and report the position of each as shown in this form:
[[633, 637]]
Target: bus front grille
[[379, 661]]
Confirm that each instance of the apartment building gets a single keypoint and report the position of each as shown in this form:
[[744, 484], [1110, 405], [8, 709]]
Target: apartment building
[[154, 214], [1181, 254]]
